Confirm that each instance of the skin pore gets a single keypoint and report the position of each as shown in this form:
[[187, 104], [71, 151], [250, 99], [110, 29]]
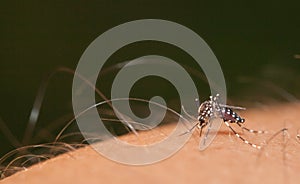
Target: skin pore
[[226, 160]]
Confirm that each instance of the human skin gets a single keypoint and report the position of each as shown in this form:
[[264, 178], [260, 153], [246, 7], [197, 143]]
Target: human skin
[[226, 160]]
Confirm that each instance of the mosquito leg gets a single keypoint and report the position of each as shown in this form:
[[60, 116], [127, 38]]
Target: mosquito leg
[[251, 130], [240, 137]]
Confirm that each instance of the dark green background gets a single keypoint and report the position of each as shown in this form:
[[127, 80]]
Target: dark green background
[[255, 43]]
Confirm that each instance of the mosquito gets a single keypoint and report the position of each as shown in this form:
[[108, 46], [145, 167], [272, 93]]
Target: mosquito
[[211, 113]]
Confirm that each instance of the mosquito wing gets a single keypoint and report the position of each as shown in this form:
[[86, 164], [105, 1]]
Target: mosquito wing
[[210, 133]]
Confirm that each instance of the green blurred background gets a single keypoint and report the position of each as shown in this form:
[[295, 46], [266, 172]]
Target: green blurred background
[[255, 43]]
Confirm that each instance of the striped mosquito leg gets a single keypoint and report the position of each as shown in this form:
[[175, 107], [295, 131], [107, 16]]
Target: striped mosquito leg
[[251, 130], [240, 137]]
